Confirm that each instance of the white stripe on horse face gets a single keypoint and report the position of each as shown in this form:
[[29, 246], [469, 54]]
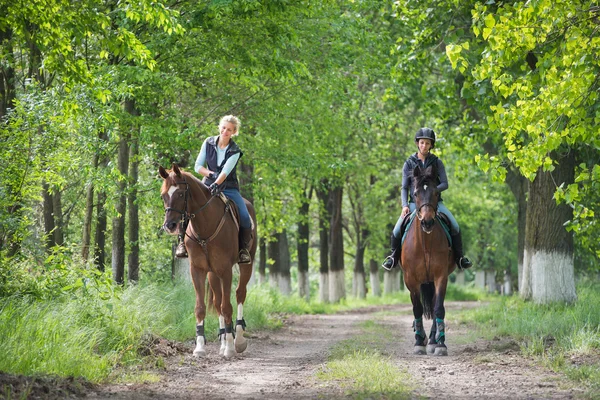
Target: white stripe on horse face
[[425, 187], [172, 190]]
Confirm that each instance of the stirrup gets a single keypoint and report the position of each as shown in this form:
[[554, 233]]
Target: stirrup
[[181, 251], [244, 257], [464, 263], [384, 266]]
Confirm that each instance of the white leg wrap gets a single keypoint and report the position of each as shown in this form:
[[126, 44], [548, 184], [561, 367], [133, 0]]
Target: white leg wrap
[[200, 350], [229, 347]]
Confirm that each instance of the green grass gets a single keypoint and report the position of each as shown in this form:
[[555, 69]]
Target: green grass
[[360, 366], [90, 332], [559, 335]]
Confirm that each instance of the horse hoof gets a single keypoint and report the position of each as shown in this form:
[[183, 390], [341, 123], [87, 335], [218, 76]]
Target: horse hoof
[[441, 351], [228, 353], [241, 344], [200, 353], [419, 350], [240, 341], [431, 348]]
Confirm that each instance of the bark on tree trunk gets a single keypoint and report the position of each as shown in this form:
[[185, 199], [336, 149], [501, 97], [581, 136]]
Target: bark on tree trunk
[[7, 74], [262, 265], [302, 248], [133, 261], [89, 213], [359, 284], [100, 236], [58, 217], [548, 256], [518, 186], [374, 278], [279, 270], [48, 212], [337, 282], [118, 223], [324, 216]]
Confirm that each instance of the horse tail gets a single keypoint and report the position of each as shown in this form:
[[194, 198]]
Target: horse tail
[[427, 292]]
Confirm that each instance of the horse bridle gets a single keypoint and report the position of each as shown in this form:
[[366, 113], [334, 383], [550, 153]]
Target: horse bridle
[[185, 216], [419, 216]]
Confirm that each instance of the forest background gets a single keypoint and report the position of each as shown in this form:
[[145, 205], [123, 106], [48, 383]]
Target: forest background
[[95, 95]]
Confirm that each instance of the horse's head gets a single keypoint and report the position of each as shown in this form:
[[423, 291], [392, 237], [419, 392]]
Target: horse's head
[[426, 196], [175, 195]]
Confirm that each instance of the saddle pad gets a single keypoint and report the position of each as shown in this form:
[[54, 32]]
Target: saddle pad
[[442, 219]]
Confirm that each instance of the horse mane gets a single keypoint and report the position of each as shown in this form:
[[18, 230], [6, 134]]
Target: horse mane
[[184, 175]]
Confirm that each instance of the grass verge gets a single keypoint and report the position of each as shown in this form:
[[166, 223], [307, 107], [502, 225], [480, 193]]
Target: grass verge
[[360, 366], [565, 338]]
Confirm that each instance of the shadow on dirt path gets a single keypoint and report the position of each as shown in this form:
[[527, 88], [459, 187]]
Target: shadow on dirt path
[[282, 365]]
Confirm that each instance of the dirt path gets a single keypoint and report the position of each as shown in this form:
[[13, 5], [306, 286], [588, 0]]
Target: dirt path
[[282, 365]]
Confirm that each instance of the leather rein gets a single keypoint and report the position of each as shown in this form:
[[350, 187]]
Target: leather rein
[[186, 217]]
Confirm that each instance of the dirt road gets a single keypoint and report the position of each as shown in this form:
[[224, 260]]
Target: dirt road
[[282, 364]]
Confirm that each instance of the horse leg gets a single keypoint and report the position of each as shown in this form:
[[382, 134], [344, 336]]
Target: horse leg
[[432, 343], [420, 337], [215, 284], [198, 279], [240, 295], [227, 313], [440, 314]]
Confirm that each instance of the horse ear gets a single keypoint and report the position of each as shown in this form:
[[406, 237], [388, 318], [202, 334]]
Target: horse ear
[[417, 171], [429, 171], [163, 172], [176, 170]]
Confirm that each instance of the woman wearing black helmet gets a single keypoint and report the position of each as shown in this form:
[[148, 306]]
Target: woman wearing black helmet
[[425, 140]]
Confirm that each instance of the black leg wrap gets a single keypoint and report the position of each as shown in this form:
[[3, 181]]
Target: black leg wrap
[[241, 322], [221, 333], [199, 330], [419, 332], [229, 329]]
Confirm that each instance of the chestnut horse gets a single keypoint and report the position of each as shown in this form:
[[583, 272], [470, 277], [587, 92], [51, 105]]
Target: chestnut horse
[[427, 261], [212, 244]]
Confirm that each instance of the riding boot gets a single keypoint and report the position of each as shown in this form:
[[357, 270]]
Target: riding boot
[[180, 251], [245, 238], [461, 261], [392, 260]]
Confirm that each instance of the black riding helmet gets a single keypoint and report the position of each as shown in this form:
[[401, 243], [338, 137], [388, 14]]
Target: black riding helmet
[[426, 133]]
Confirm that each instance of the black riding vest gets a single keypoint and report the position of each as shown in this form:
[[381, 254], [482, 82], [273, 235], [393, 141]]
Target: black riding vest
[[231, 182], [413, 161]]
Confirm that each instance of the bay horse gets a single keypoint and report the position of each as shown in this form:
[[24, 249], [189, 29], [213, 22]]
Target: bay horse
[[211, 240], [427, 260]]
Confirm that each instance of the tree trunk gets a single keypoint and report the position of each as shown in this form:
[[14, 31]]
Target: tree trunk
[[100, 237], [279, 269], [302, 248], [337, 282], [548, 256], [324, 215], [262, 265], [48, 212], [89, 213], [118, 223], [101, 223], [7, 73], [374, 278], [133, 261], [359, 285], [518, 186], [59, 237]]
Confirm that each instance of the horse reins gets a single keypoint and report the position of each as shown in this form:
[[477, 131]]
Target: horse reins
[[185, 217]]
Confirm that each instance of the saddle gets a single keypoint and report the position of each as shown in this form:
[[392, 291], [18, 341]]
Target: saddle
[[410, 217], [233, 210]]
